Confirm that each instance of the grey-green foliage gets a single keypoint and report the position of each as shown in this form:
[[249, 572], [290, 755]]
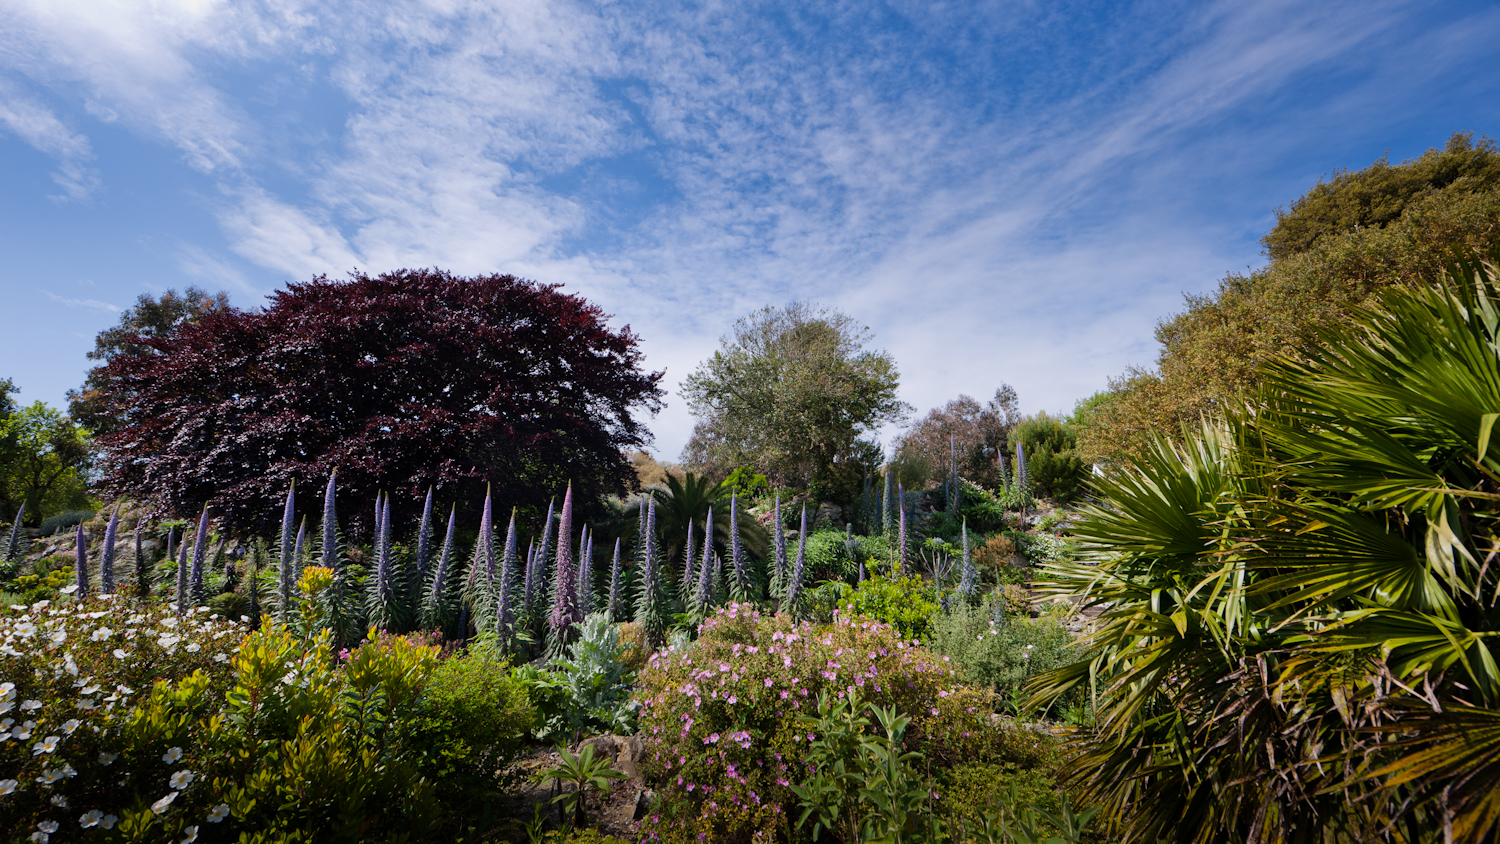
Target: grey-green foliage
[[589, 689], [995, 648], [829, 557]]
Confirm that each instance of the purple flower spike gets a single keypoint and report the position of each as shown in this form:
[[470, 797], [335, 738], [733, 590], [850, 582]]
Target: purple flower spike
[[107, 554], [565, 585], [196, 587], [81, 566], [329, 551]]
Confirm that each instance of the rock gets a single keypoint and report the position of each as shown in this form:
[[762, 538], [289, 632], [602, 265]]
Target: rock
[[604, 746], [629, 758], [643, 800]]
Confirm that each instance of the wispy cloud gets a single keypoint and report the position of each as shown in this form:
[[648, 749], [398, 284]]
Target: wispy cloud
[[95, 304], [35, 124]]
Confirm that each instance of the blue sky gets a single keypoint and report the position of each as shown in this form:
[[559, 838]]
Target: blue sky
[[1004, 192]]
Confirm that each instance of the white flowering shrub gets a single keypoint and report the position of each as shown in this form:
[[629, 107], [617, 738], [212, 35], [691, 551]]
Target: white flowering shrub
[[70, 674]]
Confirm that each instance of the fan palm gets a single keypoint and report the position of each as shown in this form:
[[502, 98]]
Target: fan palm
[[1300, 630]]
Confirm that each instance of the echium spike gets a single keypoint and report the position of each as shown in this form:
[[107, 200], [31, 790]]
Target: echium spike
[[197, 590], [649, 612], [542, 553], [703, 599], [969, 577], [107, 554], [12, 551], [791, 603], [329, 551], [586, 573], [505, 612], [614, 609], [142, 572], [565, 611], [181, 593], [778, 567], [887, 518], [528, 585], [436, 610], [1004, 466], [901, 563], [81, 566], [424, 539], [739, 588], [487, 558], [689, 581], [287, 574], [1023, 478]]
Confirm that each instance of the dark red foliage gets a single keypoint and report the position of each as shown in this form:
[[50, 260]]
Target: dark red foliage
[[401, 381]]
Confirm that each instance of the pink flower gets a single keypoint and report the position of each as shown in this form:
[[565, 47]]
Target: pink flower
[[769, 683]]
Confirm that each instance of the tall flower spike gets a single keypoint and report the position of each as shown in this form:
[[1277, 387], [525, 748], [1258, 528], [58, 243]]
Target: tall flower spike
[[142, 573], [107, 554], [487, 557], [565, 612], [1023, 477], [81, 564], [182, 573], [12, 550], [740, 587], [382, 601], [689, 581], [1003, 464], [436, 609], [778, 568], [901, 533], [887, 518], [614, 607], [649, 612], [424, 539], [330, 549], [704, 598], [528, 578], [286, 574], [505, 613], [196, 589], [542, 554], [585, 573], [969, 577], [799, 570]]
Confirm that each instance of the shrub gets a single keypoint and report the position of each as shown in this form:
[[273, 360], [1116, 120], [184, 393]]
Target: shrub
[[64, 520], [999, 650], [905, 603], [589, 690], [68, 675], [1043, 549], [831, 557], [473, 721], [721, 715], [998, 560]]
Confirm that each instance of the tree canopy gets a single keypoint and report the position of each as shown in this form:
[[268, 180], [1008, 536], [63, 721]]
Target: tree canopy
[[1386, 225], [43, 458], [978, 433], [398, 382], [150, 319], [791, 391]]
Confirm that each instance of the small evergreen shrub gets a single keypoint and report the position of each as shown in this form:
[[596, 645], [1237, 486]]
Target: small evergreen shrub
[[906, 603], [1000, 650]]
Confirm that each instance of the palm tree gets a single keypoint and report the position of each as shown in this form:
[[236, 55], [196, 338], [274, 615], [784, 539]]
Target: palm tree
[[1301, 636]]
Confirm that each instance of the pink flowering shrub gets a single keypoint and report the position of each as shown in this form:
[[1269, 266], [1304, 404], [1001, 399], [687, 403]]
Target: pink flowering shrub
[[720, 716]]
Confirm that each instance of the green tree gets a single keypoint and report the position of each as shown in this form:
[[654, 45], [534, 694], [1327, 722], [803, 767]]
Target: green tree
[[1299, 634], [1384, 226], [46, 457], [150, 319], [1051, 456], [8, 446], [791, 392]]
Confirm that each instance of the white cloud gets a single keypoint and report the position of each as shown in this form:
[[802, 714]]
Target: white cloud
[[35, 124], [94, 304], [280, 236]]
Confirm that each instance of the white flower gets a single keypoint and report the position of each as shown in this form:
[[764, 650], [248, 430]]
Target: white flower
[[23, 732], [220, 658], [192, 647], [169, 622], [91, 818], [168, 640], [90, 690], [48, 827], [40, 837], [86, 703], [7, 691], [171, 756], [69, 589], [181, 779], [60, 800], [121, 653], [161, 805], [107, 759], [70, 725], [218, 813], [31, 706], [46, 745], [101, 634], [39, 605], [108, 821], [49, 776], [6, 706], [7, 787], [192, 835], [68, 771]]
